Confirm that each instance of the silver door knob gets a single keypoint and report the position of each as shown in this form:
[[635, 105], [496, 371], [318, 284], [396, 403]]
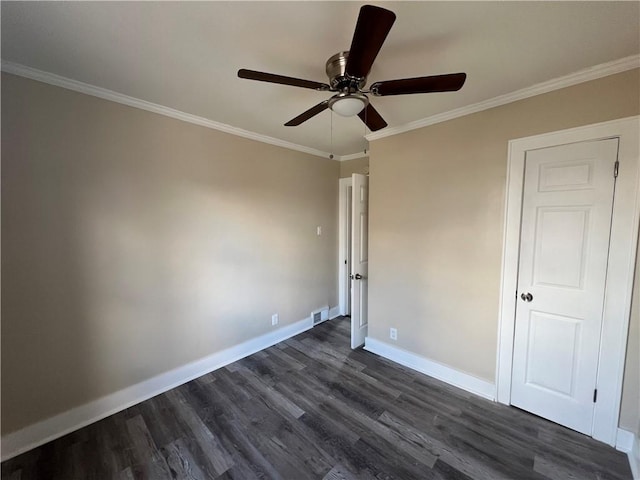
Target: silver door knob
[[359, 277], [527, 297]]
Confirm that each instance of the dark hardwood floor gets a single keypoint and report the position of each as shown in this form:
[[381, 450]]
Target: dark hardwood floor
[[311, 408]]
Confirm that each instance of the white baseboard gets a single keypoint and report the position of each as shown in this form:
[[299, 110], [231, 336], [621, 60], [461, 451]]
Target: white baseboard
[[334, 312], [629, 443], [437, 370], [54, 427]]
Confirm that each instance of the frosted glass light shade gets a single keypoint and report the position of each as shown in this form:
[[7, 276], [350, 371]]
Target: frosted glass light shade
[[348, 106]]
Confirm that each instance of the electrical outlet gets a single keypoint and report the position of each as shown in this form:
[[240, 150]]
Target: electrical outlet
[[393, 333], [274, 319], [319, 230]]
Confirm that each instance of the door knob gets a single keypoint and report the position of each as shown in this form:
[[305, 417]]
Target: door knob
[[527, 297], [359, 277]]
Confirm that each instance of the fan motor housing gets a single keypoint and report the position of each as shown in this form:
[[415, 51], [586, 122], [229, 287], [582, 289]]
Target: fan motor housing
[[338, 78]]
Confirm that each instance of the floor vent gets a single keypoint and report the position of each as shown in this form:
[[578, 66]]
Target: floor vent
[[320, 315]]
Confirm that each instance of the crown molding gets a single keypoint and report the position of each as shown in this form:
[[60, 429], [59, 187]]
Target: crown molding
[[591, 73], [581, 76], [88, 89], [353, 156]]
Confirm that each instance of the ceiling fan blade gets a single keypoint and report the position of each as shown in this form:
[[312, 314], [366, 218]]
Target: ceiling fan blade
[[312, 112], [372, 118], [435, 83], [281, 79], [372, 28]]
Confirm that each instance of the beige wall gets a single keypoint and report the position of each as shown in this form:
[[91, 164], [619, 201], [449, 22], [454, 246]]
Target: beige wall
[[436, 222], [357, 165], [133, 243]]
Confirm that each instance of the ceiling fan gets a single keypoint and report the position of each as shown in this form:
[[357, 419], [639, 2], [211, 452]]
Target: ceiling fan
[[347, 72]]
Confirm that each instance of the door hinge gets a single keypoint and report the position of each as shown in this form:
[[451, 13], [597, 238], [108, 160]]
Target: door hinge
[[595, 395], [616, 166]]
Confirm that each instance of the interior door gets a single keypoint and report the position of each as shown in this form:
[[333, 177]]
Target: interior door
[[359, 258], [566, 222]]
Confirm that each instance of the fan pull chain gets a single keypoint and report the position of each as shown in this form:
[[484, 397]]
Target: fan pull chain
[[331, 129]]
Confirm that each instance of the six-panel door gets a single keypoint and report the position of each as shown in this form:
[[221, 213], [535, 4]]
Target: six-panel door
[[566, 221]]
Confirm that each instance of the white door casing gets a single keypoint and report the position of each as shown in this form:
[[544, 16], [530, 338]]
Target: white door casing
[[620, 268], [564, 246], [344, 245], [359, 259]]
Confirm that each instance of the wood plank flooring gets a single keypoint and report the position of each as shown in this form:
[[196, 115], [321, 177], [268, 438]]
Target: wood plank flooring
[[311, 408]]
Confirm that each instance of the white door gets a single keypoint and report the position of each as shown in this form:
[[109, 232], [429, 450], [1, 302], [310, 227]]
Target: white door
[[359, 258], [566, 222]]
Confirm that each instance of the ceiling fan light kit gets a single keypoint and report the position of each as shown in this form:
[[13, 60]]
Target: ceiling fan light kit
[[348, 70], [348, 104]]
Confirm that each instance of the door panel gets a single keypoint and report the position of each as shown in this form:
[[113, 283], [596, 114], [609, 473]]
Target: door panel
[[566, 221], [561, 235], [563, 335], [360, 259]]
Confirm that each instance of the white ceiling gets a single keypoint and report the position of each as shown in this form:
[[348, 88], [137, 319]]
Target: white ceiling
[[185, 55]]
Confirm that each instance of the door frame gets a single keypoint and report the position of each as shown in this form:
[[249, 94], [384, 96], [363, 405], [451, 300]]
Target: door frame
[[344, 244], [620, 269]]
